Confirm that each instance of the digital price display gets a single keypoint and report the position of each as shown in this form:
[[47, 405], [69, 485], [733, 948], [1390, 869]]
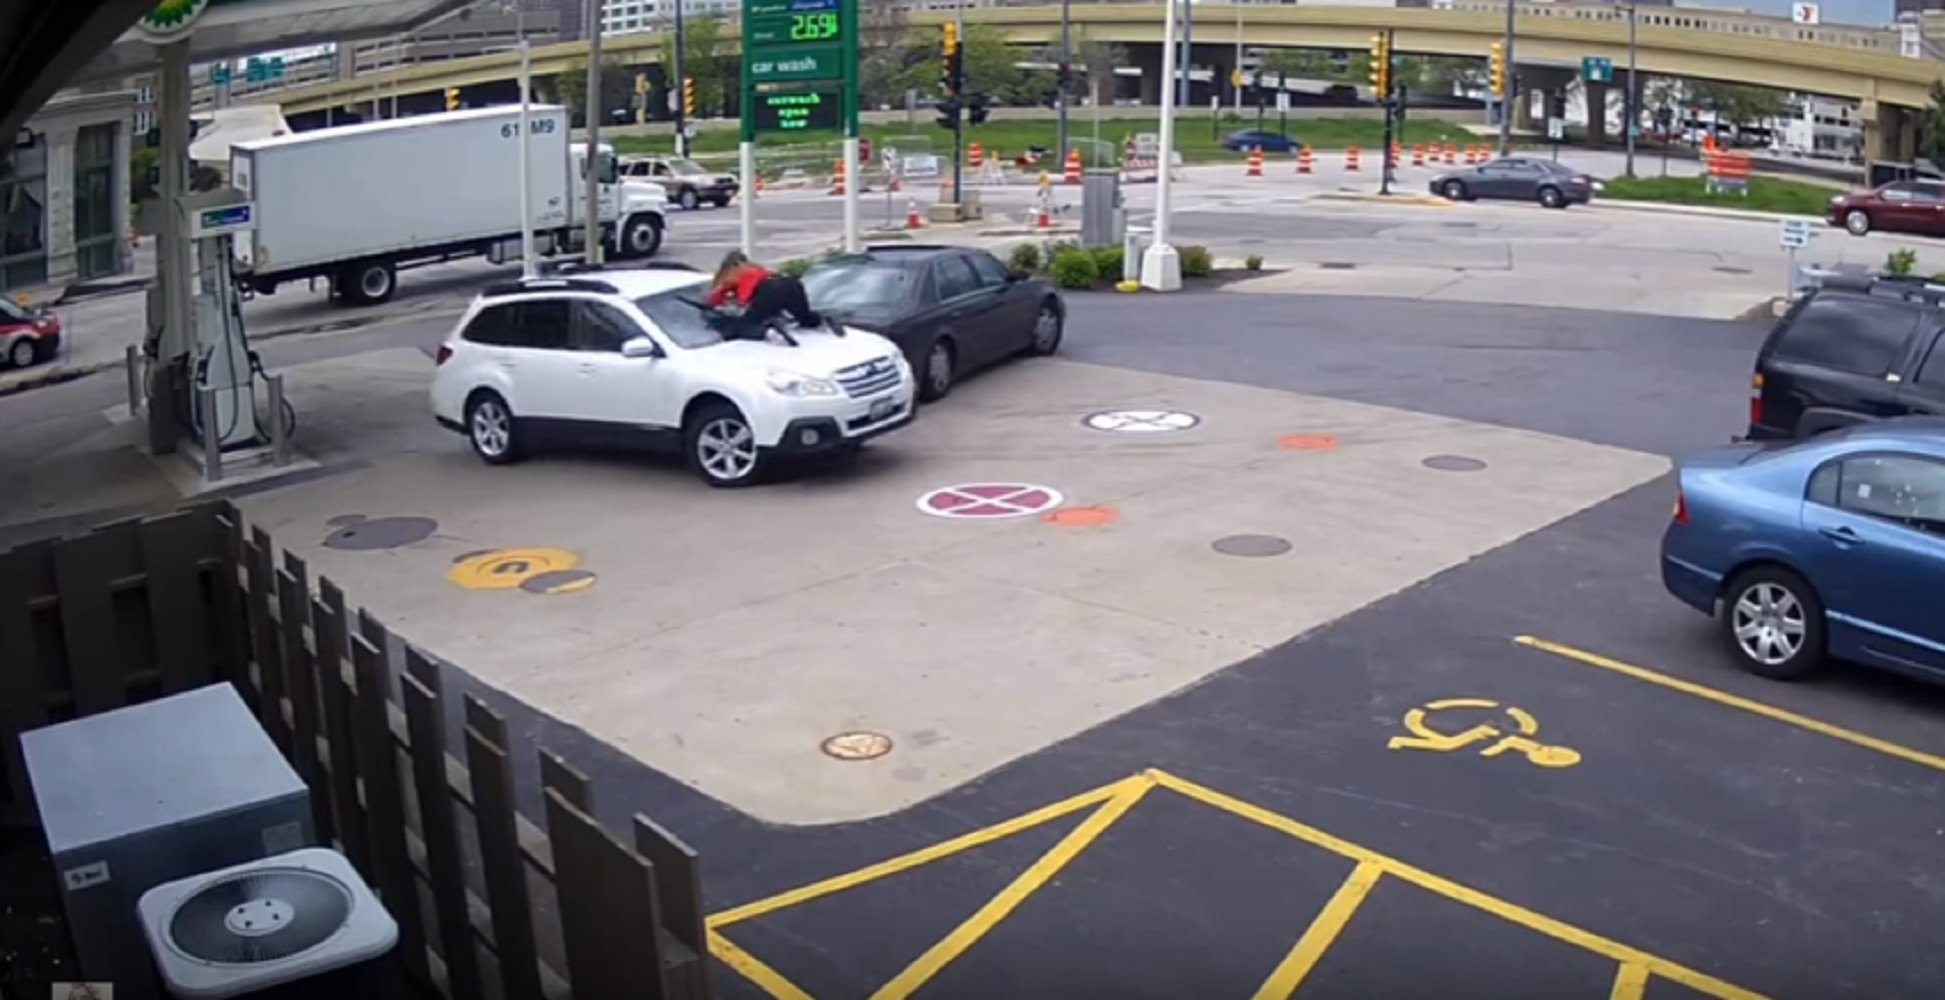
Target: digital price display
[[787, 22], [798, 111]]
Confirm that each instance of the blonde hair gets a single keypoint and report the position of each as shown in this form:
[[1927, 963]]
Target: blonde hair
[[732, 261]]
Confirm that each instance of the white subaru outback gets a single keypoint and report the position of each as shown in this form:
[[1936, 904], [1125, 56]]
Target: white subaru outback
[[632, 355]]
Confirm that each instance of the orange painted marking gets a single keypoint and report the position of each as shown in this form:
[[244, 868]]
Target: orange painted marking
[[1307, 442], [1082, 517]]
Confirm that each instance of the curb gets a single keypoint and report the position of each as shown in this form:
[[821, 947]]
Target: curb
[[54, 375], [1425, 200], [1701, 211]]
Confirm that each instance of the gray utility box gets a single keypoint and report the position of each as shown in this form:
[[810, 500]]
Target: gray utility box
[[151, 793], [1103, 215]]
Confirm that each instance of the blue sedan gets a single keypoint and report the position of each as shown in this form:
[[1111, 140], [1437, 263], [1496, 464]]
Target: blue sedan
[[1833, 547], [1268, 142]]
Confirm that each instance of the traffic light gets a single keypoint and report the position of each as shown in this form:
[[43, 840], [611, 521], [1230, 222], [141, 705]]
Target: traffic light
[[688, 97], [1380, 66], [950, 64], [452, 98], [948, 113], [976, 109], [1499, 69]]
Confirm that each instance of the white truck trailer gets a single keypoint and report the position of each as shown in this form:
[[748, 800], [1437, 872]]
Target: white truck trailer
[[357, 204]]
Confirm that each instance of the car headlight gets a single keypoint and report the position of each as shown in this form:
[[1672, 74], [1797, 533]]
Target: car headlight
[[789, 383]]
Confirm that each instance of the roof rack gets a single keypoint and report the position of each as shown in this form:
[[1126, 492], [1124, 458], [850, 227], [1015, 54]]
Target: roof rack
[[561, 284]]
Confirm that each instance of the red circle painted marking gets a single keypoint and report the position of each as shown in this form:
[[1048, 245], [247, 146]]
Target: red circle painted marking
[[989, 500]]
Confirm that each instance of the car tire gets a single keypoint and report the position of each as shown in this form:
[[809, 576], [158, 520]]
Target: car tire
[[721, 446], [23, 353], [937, 376], [720, 202], [370, 282], [1048, 326], [641, 236], [1453, 190], [688, 199], [1773, 622], [1551, 197], [492, 430], [1857, 222]]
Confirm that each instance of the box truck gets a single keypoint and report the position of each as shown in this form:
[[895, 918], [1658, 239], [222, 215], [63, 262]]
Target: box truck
[[357, 204]]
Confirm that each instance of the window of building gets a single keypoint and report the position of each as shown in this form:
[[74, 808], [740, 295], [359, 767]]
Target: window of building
[[96, 250], [23, 217]]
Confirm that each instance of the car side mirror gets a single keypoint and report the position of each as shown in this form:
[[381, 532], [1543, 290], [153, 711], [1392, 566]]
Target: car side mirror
[[640, 347]]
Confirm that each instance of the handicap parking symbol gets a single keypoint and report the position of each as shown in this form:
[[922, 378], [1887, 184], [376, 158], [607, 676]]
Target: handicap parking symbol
[[1492, 740]]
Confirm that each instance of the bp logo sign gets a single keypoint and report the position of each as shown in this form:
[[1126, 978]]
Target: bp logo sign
[[172, 18]]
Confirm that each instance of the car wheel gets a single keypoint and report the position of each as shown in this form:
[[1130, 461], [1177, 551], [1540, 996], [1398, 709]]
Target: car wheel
[[935, 382], [1550, 197], [642, 237], [688, 199], [1857, 222], [721, 201], [370, 282], [1774, 623], [1454, 191], [1046, 330], [491, 429], [722, 447], [22, 353]]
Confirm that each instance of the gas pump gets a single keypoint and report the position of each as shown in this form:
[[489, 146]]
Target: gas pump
[[222, 373]]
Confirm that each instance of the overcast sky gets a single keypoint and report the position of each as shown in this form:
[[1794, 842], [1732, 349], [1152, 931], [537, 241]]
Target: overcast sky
[[1871, 13]]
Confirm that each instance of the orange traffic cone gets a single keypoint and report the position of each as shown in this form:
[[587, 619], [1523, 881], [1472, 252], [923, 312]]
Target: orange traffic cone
[[1451, 155], [1046, 220], [912, 219], [1397, 153], [757, 189], [1071, 174], [1255, 161], [1304, 162], [1417, 154], [837, 177], [975, 156], [1350, 160]]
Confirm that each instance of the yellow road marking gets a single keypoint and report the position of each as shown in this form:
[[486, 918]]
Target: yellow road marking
[[1630, 982], [752, 968], [1785, 716], [1699, 981], [966, 842], [1330, 921], [996, 909]]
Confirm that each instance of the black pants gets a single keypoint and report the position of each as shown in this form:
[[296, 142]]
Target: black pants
[[774, 297]]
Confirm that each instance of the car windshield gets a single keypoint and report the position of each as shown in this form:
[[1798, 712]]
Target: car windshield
[[681, 316], [685, 168], [857, 285], [11, 311]]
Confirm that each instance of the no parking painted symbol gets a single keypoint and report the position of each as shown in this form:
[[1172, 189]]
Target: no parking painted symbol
[[989, 500], [1142, 421]]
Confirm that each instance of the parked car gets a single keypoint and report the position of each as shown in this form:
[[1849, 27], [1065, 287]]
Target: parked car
[[951, 310], [1828, 548], [687, 183], [1268, 142], [27, 336], [1519, 178], [1847, 353], [634, 356], [1913, 206]]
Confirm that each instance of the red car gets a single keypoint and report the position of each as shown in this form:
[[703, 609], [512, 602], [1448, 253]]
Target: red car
[[27, 335], [1897, 207]]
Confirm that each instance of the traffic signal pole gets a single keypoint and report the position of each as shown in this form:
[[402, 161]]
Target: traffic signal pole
[[1381, 89], [1506, 86], [681, 80], [1066, 68]]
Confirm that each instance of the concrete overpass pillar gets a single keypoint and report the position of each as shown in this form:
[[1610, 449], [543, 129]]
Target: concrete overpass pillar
[[1597, 115], [1523, 112], [172, 251], [1148, 59]]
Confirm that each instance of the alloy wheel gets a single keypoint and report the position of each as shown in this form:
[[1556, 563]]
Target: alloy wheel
[[1046, 330], [492, 428], [938, 369], [21, 354], [1769, 623], [726, 449]]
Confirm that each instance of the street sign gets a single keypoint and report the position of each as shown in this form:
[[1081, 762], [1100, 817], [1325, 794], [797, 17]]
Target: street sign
[[1597, 69], [1283, 100], [220, 74], [1794, 234], [1557, 129], [1806, 13]]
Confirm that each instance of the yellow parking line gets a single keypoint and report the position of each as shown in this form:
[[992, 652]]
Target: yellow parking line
[[996, 909], [1782, 715], [1630, 982], [1289, 973], [1699, 981], [965, 842], [752, 968]]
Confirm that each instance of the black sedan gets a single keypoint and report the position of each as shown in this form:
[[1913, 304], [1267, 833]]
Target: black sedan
[[952, 310], [1518, 178]]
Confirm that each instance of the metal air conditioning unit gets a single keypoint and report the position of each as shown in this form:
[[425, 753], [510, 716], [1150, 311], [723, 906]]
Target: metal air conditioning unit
[[147, 794]]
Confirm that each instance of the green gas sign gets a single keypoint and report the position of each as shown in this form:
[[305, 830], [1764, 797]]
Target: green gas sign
[[800, 65]]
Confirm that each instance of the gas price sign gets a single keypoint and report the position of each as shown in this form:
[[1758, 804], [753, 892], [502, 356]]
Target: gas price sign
[[798, 111], [795, 22]]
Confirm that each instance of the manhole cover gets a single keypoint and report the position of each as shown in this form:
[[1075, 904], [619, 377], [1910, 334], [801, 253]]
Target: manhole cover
[[1142, 421], [1338, 265], [1254, 546], [1453, 463], [1726, 269], [565, 581], [357, 533], [858, 746]]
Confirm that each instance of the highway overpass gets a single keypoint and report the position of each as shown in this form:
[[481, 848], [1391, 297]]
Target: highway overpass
[[1864, 65]]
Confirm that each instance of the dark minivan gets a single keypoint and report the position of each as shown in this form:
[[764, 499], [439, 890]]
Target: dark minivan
[[1846, 355]]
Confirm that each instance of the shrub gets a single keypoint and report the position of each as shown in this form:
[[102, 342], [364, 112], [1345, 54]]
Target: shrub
[[1025, 258], [1253, 262], [1195, 261], [795, 266], [1901, 262], [1074, 269], [1107, 262]]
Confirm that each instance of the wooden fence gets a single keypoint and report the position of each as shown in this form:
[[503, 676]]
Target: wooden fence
[[486, 906]]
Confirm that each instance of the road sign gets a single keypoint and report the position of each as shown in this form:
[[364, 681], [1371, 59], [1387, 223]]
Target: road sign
[[1283, 100], [976, 501], [1806, 13], [1557, 129], [1142, 421], [1597, 69], [220, 74], [1794, 234]]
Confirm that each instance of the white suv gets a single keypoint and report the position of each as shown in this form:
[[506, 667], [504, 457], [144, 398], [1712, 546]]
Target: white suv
[[632, 354]]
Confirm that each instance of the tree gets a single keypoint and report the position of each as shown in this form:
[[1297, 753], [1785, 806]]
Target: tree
[[571, 86], [702, 60], [1739, 104], [1932, 142], [882, 53]]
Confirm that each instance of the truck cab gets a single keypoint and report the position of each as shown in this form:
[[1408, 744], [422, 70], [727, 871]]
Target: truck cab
[[631, 211]]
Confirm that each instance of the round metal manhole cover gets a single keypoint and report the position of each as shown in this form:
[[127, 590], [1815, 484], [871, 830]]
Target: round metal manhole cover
[[357, 533], [1453, 463], [1142, 421], [860, 745], [1252, 546]]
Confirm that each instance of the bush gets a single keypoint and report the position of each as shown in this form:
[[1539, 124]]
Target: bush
[[1253, 262], [795, 266], [1025, 258], [1901, 262], [1074, 269], [1107, 262], [1195, 261]]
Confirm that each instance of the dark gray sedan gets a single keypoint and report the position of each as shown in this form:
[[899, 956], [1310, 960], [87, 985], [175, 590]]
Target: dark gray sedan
[[1518, 178]]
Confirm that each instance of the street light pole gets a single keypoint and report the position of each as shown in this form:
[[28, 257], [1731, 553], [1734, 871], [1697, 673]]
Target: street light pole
[[1066, 70], [681, 107], [1237, 86], [1512, 88], [1633, 116], [591, 172], [1161, 268], [1188, 51], [527, 260]]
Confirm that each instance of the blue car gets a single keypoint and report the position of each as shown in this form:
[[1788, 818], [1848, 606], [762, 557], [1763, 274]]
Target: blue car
[[1269, 142], [1830, 548]]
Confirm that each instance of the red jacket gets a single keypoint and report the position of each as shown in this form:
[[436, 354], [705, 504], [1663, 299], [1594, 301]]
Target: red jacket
[[741, 284]]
